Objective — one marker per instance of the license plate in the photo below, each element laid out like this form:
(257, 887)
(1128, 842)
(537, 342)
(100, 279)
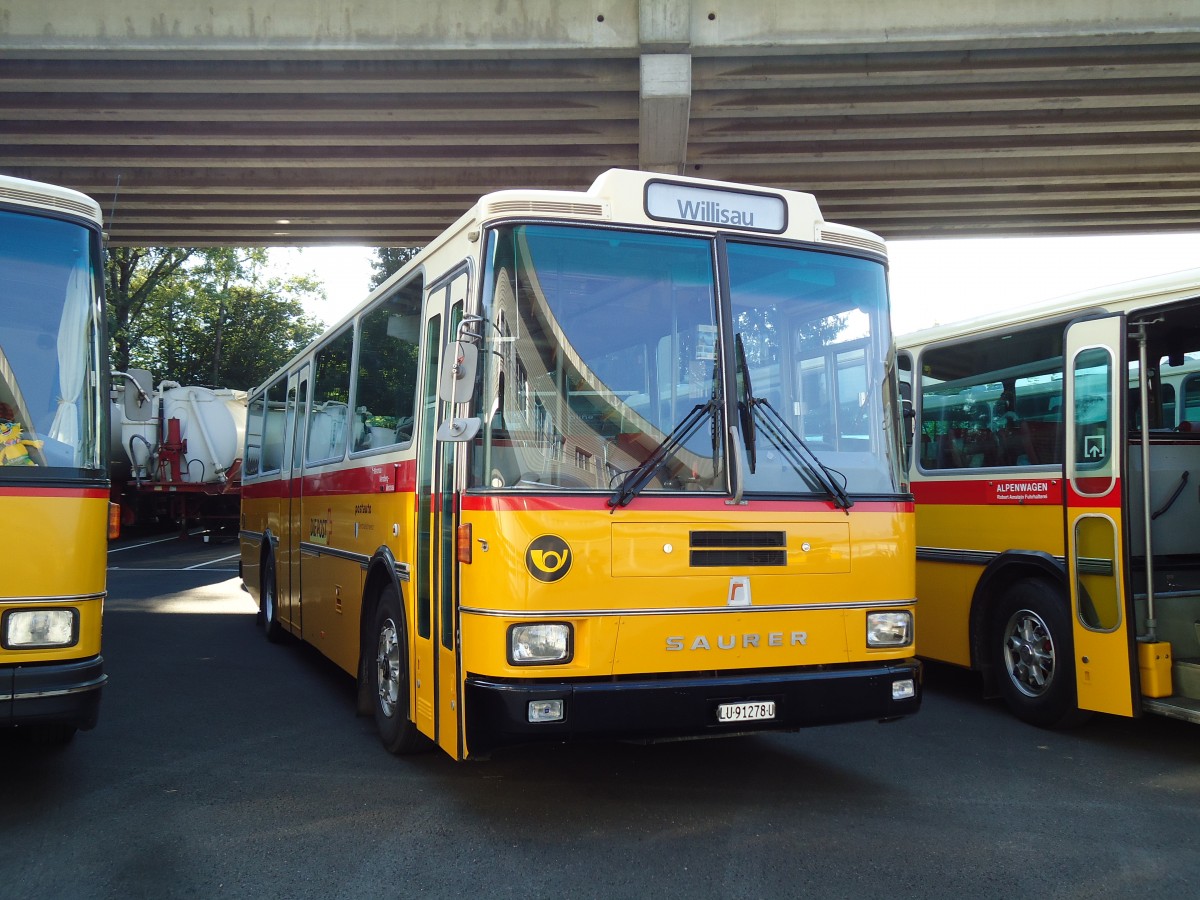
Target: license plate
(748, 711)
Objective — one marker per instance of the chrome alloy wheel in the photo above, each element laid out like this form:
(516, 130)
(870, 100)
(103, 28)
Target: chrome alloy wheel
(1028, 653)
(387, 668)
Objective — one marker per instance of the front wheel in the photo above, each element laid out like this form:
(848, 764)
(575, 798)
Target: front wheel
(1033, 650)
(389, 678)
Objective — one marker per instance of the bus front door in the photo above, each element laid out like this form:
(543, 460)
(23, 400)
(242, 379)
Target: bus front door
(435, 643)
(1101, 602)
(296, 525)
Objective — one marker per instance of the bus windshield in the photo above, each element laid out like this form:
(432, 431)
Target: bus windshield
(602, 364)
(48, 346)
(600, 343)
(814, 330)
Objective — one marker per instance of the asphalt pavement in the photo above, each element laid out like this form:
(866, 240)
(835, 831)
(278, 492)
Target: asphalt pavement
(225, 766)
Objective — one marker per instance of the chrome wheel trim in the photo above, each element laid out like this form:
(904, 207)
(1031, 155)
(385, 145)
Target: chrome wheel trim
(1029, 653)
(387, 668)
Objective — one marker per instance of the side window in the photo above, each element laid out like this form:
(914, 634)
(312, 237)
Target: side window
(329, 414)
(274, 419)
(1093, 407)
(385, 382)
(993, 402)
(254, 422)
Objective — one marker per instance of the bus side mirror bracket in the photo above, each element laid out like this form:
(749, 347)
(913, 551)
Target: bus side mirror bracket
(459, 430)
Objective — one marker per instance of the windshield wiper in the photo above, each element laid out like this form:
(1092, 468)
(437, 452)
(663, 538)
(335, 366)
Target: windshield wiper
(798, 453)
(638, 477)
(745, 401)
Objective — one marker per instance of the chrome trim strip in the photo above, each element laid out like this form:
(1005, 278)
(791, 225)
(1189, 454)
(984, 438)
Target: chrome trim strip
(966, 557)
(1090, 566)
(308, 549)
(251, 535)
(58, 601)
(946, 555)
(93, 685)
(705, 610)
(318, 550)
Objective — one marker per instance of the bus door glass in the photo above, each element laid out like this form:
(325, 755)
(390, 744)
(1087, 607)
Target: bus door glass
(289, 580)
(434, 651)
(1094, 501)
(446, 618)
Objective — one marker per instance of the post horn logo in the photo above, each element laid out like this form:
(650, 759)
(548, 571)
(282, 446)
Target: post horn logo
(548, 558)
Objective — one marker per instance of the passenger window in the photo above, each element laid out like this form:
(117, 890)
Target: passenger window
(274, 419)
(386, 378)
(995, 402)
(254, 421)
(330, 412)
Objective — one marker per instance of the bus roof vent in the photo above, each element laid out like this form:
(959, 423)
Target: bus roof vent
(859, 241)
(545, 208)
(16, 195)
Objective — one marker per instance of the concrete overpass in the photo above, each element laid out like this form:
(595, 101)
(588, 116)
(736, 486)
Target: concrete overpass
(377, 121)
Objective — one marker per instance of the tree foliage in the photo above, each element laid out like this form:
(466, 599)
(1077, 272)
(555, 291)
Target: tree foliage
(204, 316)
(389, 260)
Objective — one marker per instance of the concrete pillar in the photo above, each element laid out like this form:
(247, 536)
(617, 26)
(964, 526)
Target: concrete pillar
(666, 84)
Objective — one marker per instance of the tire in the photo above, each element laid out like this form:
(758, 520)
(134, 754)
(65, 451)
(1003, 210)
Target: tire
(269, 602)
(1033, 651)
(388, 672)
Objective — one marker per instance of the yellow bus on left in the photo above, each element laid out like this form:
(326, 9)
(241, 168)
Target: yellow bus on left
(54, 502)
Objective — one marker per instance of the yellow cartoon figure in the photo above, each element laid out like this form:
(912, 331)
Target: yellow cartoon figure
(13, 448)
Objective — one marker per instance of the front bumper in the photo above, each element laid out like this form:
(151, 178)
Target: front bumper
(66, 693)
(669, 708)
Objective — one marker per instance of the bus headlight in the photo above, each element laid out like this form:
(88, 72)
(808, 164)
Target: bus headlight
(26, 629)
(889, 629)
(537, 645)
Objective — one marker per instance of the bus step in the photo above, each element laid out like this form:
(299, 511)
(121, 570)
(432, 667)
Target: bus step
(1174, 707)
(1186, 676)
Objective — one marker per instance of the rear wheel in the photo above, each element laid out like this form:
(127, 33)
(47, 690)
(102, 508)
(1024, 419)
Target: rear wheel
(1033, 651)
(389, 678)
(269, 602)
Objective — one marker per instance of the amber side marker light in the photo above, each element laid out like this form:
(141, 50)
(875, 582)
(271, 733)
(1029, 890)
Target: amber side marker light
(114, 521)
(464, 543)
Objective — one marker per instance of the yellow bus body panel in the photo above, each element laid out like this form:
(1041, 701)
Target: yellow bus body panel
(630, 588)
(947, 589)
(55, 555)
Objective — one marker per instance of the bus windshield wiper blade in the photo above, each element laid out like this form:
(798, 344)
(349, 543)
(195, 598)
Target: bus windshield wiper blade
(638, 477)
(798, 453)
(745, 401)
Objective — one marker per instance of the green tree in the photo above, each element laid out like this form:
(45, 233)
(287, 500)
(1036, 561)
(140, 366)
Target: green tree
(133, 277)
(389, 260)
(216, 318)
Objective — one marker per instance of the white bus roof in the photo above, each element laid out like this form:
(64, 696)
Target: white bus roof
(37, 195)
(1149, 291)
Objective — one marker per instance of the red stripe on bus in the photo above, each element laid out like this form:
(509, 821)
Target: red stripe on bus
(543, 503)
(57, 492)
(1032, 491)
(383, 478)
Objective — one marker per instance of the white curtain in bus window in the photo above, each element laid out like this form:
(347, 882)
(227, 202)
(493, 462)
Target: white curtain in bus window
(73, 334)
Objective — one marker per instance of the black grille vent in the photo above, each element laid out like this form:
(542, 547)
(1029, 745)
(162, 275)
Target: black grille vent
(723, 549)
(738, 539)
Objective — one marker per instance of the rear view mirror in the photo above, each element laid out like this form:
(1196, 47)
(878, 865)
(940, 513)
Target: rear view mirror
(457, 381)
(138, 388)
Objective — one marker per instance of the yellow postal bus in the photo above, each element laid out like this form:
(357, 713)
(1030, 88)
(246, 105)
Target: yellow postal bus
(53, 458)
(1051, 556)
(614, 464)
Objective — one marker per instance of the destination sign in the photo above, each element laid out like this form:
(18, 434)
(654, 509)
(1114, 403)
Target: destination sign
(675, 202)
